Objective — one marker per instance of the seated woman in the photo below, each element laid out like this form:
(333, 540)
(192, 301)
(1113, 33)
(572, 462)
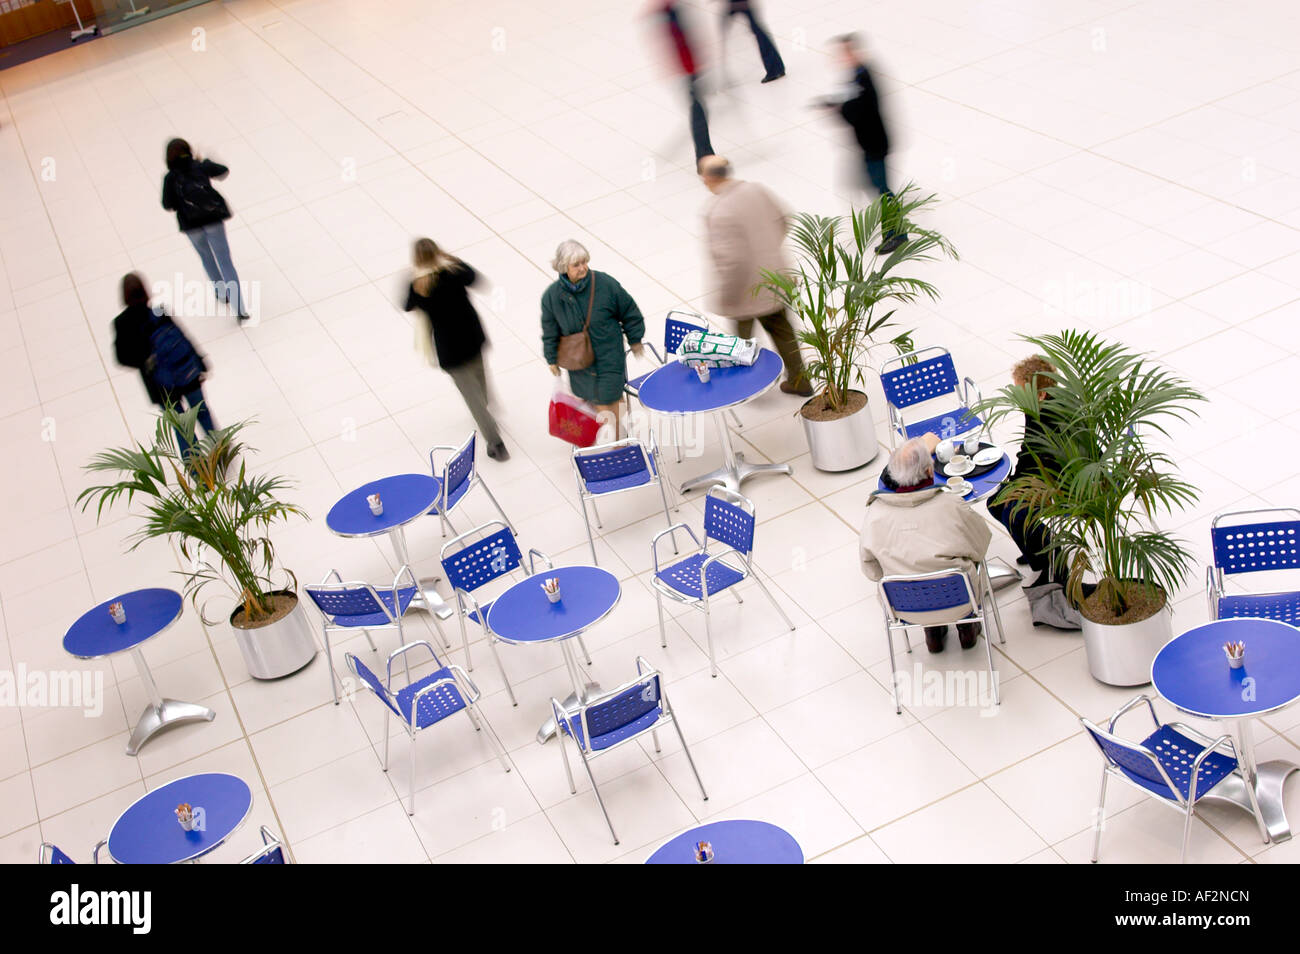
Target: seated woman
(1032, 541)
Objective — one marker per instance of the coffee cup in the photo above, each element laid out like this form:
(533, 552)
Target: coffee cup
(958, 485)
(959, 460)
(944, 451)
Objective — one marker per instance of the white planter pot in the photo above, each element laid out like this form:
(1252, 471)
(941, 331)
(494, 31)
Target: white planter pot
(843, 444)
(1122, 655)
(277, 649)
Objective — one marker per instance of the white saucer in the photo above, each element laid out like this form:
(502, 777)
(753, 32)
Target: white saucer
(961, 489)
(989, 455)
(958, 470)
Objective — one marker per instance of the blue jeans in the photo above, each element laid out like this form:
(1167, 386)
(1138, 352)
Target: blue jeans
(876, 174)
(189, 400)
(214, 251)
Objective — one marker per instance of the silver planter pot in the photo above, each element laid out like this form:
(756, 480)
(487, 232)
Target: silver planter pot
(1122, 655)
(277, 649)
(843, 444)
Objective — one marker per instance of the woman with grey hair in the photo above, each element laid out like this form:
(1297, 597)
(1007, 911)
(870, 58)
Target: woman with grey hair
(581, 298)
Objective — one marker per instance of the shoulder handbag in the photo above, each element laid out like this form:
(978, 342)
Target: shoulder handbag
(574, 352)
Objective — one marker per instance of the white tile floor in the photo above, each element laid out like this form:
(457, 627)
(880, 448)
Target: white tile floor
(1121, 165)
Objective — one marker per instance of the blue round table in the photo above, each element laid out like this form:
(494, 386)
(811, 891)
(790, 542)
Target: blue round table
(677, 389)
(148, 833)
(736, 842)
(1192, 674)
(404, 498)
(148, 613)
(524, 616)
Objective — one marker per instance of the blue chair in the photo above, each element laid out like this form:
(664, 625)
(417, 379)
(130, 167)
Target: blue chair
(357, 605)
(49, 854)
(1175, 764)
(457, 477)
(729, 521)
(612, 718)
(612, 468)
(948, 595)
(1239, 548)
(425, 701)
(473, 560)
(919, 378)
(675, 330)
(271, 853)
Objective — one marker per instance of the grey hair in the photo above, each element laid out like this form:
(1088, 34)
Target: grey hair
(911, 464)
(569, 253)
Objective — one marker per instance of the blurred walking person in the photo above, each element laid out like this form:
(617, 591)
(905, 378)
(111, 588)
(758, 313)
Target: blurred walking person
(686, 59)
(744, 231)
(201, 213)
(450, 333)
(172, 370)
(859, 106)
(773, 65)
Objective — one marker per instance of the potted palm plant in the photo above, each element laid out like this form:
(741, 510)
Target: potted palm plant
(219, 517)
(845, 294)
(1101, 486)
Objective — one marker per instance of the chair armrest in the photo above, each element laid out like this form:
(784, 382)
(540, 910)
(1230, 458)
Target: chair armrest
(704, 567)
(267, 837)
(643, 666)
(532, 564)
(1205, 753)
(465, 596)
(402, 651)
(654, 542)
(410, 575)
(95, 854)
(968, 385)
(462, 674)
(557, 713)
(1213, 590)
(651, 348)
(333, 576)
(1123, 710)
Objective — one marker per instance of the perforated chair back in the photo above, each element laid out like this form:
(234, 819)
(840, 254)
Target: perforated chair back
(927, 594)
(620, 711)
(1252, 547)
(481, 561)
(53, 855)
(911, 384)
(729, 519)
(371, 681)
(460, 467)
(610, 465)
(1132, 758)
(675, 329)
(337, 601)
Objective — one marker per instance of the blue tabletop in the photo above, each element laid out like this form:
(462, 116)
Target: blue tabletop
(738, 842)
(677, 389)
(148, 833)
(1192, 673)
(148, 613)
(523, 614)
(404, 497)
(981, 486)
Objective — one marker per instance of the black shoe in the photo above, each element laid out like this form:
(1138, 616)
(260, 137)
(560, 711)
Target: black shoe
(773, 76)
(967, 633)
(243, 317)
(498, 452)
(935, 636)
(1022, 560)
(890, 244)
(803, 390)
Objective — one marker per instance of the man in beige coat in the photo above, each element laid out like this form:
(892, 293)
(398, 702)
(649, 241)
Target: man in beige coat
(744, 230)
(920, 528)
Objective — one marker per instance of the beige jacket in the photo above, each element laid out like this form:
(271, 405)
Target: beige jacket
(744, 230)
(922, 531)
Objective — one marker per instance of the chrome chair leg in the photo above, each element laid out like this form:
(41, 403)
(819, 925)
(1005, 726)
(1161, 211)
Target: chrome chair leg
(595, 510)
(736, 594)
(583, 646)
(1100, 821)
(492, 497)
(591, 540)
(988, 649)
(411, 809)
(329, 664)
(736, 417)
(371, 641)
(771, 598)
(664, 494)
(659, 605)
(492, 645)
(689, 760)
(496, 739)
(386, 714)
(654, 737)
(997, 613)
(893, 669)
(568, 771)
(708, 635)
(677, 436)
(599, 800)
(1187, 832)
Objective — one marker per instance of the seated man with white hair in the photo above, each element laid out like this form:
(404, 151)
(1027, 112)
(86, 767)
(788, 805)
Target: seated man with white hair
(920, 528)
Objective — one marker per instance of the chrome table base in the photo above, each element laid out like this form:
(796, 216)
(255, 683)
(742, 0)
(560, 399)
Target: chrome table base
(1002, 574)
(426, 597)
(1270, 779)
(582, 692)
(734, 470)
(160, 712)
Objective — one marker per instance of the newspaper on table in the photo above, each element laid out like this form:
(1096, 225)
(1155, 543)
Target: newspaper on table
(714, 349)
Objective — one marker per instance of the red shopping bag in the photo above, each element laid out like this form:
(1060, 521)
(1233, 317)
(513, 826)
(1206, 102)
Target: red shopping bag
(573, 419)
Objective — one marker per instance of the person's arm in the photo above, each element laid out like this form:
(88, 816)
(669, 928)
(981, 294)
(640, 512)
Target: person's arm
(411, 303)
(168, 201)
(629, 316)
(127, 346)
(870, 565)
(464, 274)
(550, 333)
(214, 170)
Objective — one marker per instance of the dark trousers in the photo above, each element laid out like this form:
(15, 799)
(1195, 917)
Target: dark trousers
(186, 401)
(773, 65)
(470, 379)
(699, 120)
(777, 324)
(876, 175)
(1029, 540)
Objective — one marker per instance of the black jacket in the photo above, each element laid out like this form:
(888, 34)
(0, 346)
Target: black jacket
(457, 332)
(195, 178)
(132, 331)
(862, 113)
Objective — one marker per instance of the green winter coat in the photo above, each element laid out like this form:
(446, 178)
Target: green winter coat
(614, 315)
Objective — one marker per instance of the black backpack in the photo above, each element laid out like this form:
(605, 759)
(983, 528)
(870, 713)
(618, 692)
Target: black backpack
(177, 365)
(197, 202)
